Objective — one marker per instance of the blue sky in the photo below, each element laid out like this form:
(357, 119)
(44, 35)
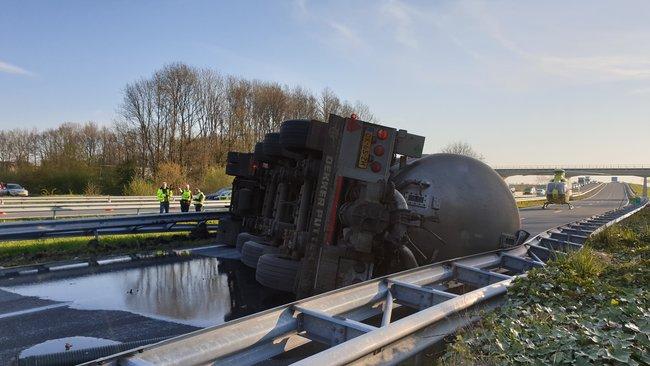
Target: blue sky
(516, 79)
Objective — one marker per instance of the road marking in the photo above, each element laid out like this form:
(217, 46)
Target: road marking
(556, 211)
(33, 310)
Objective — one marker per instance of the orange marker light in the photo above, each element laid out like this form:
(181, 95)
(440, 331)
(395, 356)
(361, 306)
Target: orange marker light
(379, 150)
(382, 134)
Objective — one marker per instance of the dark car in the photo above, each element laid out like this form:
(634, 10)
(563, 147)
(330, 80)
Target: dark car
(222, 194)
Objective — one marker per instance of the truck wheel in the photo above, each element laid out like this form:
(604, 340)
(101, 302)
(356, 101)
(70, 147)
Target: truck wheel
(252, 251)
(294, 133)
(272, 145)
(258, 153)
(277, 272)
(244, 237)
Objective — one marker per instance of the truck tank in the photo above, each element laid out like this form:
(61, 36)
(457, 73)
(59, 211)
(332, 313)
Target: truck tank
(468, 207)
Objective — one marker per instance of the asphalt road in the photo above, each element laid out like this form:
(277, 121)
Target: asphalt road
(535, 219)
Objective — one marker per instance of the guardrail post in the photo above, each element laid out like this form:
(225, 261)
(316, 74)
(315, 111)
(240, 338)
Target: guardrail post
(53, 213)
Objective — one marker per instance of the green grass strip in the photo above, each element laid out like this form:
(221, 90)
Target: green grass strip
(591, 307)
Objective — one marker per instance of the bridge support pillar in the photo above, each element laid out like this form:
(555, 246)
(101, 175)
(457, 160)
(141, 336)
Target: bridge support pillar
(645, 187)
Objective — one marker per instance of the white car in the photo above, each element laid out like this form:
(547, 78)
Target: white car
(13, 189)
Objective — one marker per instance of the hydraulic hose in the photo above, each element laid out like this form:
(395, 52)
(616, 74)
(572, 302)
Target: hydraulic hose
(398, 234)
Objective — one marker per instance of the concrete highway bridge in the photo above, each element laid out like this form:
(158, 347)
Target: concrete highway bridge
(642, 171)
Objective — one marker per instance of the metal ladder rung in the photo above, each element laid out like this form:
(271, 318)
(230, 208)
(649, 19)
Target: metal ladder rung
(544, 254)
(562, 245)
(574, 231)
(477, 277)
(416, 296)
(585, 227)
(518, 264)
(575, 238)
(329, 329)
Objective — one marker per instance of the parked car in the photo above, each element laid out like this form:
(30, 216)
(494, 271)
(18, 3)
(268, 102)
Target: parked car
(530, 190)
(222, 194)
(13, 189)
(541, 192)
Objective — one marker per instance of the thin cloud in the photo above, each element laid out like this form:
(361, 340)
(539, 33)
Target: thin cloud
(640, 91)
(607, 67)
(400, 17)
(13, 69)
(347, 35)
(300, 7)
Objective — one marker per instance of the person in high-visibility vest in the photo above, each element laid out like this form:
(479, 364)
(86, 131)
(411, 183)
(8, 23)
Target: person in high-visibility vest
(198, 200)
(186, 197)
(164, 195)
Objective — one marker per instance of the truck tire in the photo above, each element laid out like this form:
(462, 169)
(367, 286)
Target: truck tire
(244, 237)
(252, 251)
(258, 153)
(277, 272)
(272, 145)
(294, 134)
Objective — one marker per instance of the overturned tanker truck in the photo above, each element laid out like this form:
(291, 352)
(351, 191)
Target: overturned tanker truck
(319, 206)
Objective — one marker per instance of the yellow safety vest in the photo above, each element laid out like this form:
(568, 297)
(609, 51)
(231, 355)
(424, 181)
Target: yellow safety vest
(186, 195)
(199, 198)
(164, 195)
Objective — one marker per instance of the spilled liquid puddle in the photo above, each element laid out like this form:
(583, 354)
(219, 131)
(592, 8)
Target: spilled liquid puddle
(190, 292)
(65, 344)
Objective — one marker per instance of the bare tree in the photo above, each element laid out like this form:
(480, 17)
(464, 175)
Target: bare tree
(179, 115)
(462, 148)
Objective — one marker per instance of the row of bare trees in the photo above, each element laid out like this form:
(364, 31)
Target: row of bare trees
(180, 115)
(195, 116)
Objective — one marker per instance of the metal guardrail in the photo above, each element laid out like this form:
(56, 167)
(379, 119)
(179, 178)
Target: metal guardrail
(441, 294)
(40, 210)
(573, 166)
(72, 198)
(108, 225)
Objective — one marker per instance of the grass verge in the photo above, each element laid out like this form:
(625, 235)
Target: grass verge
(531, 203)
(637, 189)
(13, 253)
(589, 307)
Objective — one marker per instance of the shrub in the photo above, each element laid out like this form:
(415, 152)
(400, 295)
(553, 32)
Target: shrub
(214, 178)
(140, 187)
(171, 173)
(92, 189)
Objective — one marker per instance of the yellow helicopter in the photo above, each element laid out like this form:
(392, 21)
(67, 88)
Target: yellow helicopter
(558, 190)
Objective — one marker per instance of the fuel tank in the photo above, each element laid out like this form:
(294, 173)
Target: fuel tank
(468, 208)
